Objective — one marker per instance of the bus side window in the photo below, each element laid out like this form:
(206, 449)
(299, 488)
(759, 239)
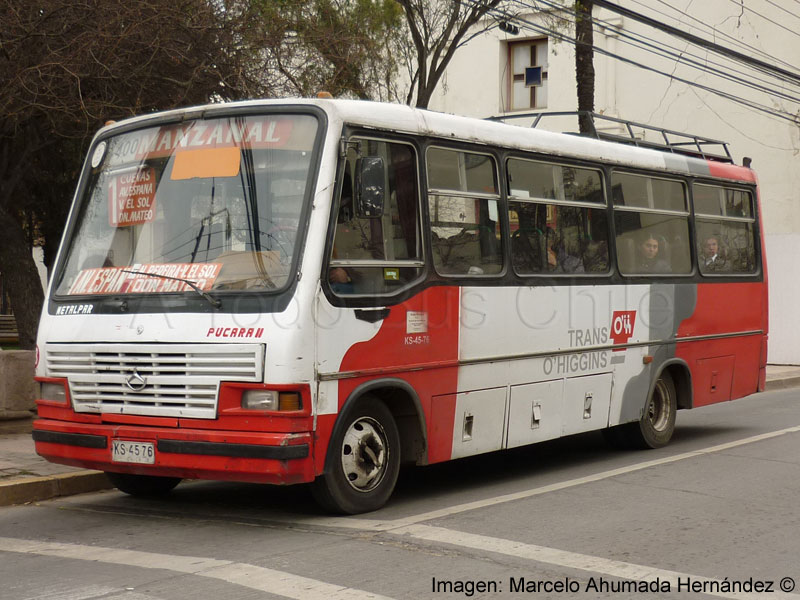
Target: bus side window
(549, 236)
(725, 230)
(464, 211)
(378, 255)
(651, 217)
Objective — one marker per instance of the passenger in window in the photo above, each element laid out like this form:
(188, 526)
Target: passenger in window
(340, 280)
(595, 257)
(648, 259)
(712, 258)
(558, 259)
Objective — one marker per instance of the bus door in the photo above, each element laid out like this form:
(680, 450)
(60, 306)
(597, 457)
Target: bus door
(377, 325)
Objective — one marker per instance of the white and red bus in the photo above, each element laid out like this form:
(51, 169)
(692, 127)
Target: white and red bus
(320, 290)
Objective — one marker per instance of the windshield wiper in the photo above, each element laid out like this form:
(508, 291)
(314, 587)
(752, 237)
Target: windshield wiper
(211, 300)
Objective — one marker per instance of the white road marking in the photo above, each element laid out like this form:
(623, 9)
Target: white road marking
(251, 576)
(378, 525)
(573, 560)
(410, 527)
(554, 487)
(58, 592)
(293, 586)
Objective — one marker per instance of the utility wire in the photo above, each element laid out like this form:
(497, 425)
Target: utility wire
(793, 76)
(737, 42)
(660, 48)
(657, 48)
(504, 15)
(778, 6)
(714, 31)
(755, 12)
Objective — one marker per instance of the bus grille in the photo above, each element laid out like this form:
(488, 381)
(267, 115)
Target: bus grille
(176, 380)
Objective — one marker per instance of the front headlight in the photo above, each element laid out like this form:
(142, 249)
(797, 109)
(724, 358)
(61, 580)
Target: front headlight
(271, 400)
(53, 392)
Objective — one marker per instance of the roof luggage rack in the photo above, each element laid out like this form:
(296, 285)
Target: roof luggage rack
(670, 141)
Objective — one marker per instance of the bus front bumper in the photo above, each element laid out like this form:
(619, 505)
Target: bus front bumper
(277, 458)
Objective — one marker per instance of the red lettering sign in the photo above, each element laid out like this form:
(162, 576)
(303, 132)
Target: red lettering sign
(235, 332)
(139, 279)
(254, 132)
(132, 198)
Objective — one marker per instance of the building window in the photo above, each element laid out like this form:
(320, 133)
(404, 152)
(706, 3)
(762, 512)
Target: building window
(527, 75)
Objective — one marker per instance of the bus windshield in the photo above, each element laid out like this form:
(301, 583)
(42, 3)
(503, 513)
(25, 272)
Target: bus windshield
(216, 202)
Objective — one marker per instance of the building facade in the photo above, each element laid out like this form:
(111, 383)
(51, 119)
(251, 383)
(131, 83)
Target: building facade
(500, 74)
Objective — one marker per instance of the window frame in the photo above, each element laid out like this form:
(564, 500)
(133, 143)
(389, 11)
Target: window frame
(511, 75)
(602, 206)
(373, 298)
(438, 144)
(686, 184)
(508, 277)
(753, 220)
(244, 302)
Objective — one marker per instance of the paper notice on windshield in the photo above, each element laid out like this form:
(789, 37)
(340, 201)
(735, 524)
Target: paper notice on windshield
(120, 280)
(132, 198)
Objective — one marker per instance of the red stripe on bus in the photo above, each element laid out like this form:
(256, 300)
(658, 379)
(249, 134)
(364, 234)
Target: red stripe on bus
(395, 345)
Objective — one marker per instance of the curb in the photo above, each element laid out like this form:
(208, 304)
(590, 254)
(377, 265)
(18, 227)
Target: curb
(782, 383)
(32, 489)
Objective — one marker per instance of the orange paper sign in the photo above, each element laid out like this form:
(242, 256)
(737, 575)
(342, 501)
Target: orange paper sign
(206, 162)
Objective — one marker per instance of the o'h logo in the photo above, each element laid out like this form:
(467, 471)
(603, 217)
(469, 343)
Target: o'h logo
(622, 324)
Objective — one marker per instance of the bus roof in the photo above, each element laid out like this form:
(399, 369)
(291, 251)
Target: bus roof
(405, 119)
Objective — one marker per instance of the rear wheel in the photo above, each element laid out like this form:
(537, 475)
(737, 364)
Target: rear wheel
(142, 485)
(655, 428)
(363, 460)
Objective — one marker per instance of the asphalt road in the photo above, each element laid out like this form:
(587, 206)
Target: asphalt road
(715, 514)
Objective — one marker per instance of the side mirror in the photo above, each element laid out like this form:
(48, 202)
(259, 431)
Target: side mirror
(370, 187)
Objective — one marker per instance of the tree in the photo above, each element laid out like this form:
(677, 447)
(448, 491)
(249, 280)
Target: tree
(67, 67)
(584, 64)
(438, 28)
(339, 46)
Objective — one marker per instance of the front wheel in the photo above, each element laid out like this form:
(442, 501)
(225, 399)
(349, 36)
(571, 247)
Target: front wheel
(142, 485)
(363, 460)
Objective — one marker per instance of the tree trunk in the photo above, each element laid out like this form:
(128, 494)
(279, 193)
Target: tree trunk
(20, 279)
(584, 64)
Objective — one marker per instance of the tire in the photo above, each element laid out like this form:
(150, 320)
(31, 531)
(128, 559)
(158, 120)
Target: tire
(363, 460)
(655, 428)
(146, 486)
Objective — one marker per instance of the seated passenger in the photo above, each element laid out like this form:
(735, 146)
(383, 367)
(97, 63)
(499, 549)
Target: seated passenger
(340, 280)
(559, 260)
(648, 259)
(711, 259)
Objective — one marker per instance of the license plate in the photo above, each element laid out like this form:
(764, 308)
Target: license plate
(133, 452)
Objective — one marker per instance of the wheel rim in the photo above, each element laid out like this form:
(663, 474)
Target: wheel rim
(364, 454)
(658, 407)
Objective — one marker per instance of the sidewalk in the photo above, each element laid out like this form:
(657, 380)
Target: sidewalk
(27, 477)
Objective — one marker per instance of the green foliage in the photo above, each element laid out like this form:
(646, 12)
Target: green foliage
(339, 46)
(69, 65)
